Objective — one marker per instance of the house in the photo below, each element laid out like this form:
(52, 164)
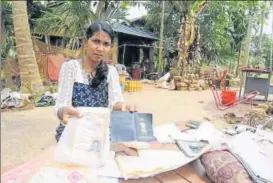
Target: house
(134, 45)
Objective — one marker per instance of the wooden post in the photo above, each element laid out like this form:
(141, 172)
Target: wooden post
(151, 58)
(124, 47)
(141, 55)
(47, 40)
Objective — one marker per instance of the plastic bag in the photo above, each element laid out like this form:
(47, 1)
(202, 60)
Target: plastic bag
(85, 141)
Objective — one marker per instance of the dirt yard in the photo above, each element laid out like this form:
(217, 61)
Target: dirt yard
(26, 134)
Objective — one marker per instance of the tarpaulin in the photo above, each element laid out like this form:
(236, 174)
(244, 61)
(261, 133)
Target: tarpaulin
(54, 65)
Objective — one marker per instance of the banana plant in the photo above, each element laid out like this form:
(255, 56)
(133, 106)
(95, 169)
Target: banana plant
(187, 31)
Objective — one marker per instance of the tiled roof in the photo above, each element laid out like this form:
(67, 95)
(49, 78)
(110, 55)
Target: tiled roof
(121, 28)
(117, 27)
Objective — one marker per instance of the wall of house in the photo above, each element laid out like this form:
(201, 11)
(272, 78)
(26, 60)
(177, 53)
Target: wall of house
(132, 53)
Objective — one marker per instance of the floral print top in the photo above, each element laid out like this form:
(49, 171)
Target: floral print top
(71, 73)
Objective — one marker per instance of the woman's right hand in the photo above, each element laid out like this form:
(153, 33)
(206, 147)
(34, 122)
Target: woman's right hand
(67, 112)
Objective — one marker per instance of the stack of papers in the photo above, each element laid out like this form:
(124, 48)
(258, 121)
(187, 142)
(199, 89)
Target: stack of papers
(148, 164)
(153, 162)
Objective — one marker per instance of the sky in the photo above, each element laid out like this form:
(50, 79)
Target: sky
(267, 28)
(135, 12)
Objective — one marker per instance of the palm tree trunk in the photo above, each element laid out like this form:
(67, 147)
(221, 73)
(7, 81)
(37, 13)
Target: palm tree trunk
(29, 72)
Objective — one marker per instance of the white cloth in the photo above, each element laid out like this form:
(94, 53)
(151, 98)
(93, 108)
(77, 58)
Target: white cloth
(72, 71)
(253, 156)
(165, 133)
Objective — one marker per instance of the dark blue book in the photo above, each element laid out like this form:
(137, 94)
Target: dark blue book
(127, 126)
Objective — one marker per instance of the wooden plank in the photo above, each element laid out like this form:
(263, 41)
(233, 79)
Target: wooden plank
(146, 180)
(190, 174)
(170, 177)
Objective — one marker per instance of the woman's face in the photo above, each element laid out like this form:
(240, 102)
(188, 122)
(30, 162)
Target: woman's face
(98, 46)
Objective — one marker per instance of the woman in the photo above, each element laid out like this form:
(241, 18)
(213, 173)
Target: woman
(90, 82)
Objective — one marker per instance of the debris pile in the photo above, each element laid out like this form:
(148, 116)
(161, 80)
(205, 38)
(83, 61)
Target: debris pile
(194, 78)
(10, 99)
(15, 100)
(261, 118)
(208, 74)
(190, 83)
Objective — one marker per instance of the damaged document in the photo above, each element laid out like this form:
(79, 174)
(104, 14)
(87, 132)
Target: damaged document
(152, 162)
(85, 140)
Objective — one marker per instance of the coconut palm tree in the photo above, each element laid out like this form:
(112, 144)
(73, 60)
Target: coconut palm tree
(29, 72)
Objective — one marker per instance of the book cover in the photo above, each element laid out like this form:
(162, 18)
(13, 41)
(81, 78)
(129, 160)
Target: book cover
(127, 126)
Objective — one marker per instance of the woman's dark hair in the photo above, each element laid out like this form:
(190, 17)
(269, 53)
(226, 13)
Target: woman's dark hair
(102, 68)
(98, 26)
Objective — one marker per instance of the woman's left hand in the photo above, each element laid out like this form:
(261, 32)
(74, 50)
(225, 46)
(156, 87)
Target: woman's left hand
(128, 107)
(123, 106)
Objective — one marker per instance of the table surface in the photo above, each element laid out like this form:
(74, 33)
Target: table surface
(246, 69)
(185, 174)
